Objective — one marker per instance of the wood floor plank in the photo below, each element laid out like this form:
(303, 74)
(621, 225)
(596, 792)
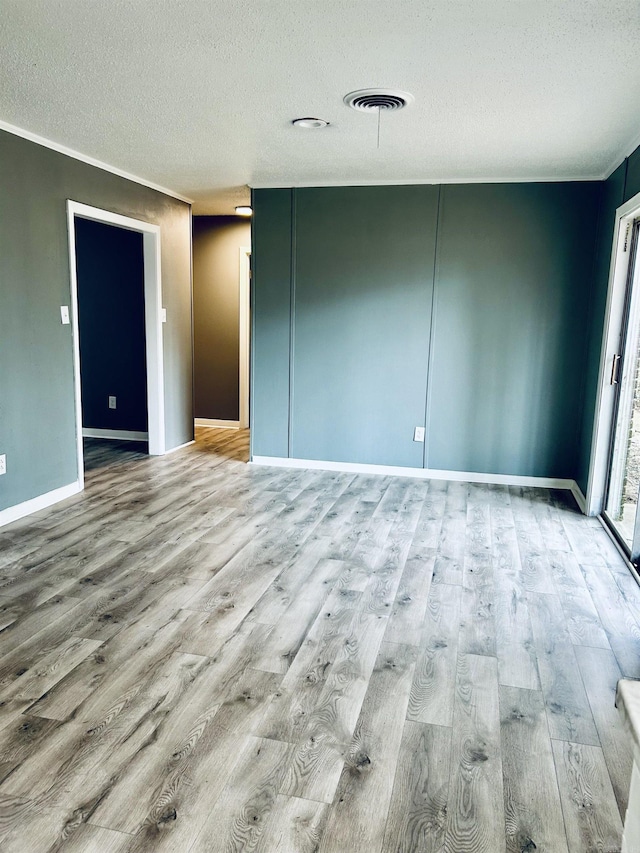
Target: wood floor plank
(568, 711)
(294, 826)
(81, 759)
(358, 815)
(95, 839)
(195, 749)
(406, 620)
(591, 814)
(33, 827)
(293, 626)
(533, 812)
(26, 690)
(433, 688)
(475, 818)
(239, 816)
(600, 674)
(620, 623)
(418, 812)
(316, 762)
(301, 689)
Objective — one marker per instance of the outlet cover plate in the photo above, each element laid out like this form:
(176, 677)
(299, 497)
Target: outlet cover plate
(3, 463)
(112, 402)
(418, 434)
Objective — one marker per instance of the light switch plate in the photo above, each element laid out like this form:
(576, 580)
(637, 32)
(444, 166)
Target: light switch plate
(3, 463)
(112, 402)
(64, 315)
(164, 315)
(418, 434)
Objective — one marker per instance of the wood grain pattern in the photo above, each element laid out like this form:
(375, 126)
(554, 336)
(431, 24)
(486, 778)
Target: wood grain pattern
(591, 814)
(533, 813)
(600, 675)
(197, 654)
(475, 817)
(359, 812)
(418, 812)
(433, 689)
(568, 711)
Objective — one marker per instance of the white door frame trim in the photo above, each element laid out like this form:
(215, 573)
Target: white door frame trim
(603, 423)
(245, 323)
(153, 320)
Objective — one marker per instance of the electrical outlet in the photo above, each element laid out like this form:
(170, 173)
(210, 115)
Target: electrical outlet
(3, 463)
(418, 434)
(112, 402)
(64, 315)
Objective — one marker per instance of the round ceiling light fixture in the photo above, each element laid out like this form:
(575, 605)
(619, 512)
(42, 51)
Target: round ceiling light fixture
(309, 123)
(372, 100)
(243, 210)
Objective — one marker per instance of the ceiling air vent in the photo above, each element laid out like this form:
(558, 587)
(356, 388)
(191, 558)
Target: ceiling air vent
(371, 100)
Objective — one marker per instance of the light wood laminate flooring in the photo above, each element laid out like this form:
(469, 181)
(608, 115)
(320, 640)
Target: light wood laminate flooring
(201, 655)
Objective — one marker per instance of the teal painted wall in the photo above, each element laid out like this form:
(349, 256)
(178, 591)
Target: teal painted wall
(504, 369)
(512, 288)
(362, 313)
(37, 425)
(270, 321)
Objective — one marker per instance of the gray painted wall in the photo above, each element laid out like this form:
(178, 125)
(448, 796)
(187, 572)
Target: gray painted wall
(216, 311)
(110, 275)
(503, 370)
(37, 425)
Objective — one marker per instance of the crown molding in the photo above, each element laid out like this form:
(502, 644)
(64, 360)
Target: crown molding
(91, 161)
(274, 185)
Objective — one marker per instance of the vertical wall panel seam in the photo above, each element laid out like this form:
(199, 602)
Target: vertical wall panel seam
(432, 319)
(292, 318)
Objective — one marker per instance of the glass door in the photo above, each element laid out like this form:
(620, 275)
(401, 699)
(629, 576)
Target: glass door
(623, 484)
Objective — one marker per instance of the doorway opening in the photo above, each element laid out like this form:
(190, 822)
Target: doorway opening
(117, 328)
(614, 484)
(221, 314)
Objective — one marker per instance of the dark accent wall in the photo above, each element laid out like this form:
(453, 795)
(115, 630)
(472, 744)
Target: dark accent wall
(514, 267)
(345, 353)
(216, 267)
(110, 273)
(361, 318)
(271, 321)
(37, 420)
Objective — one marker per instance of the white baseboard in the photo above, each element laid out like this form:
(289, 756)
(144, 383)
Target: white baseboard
(13, 513)
(116, 434)
(418, 473)
(576, 491)
(214, 423)
(179, 447)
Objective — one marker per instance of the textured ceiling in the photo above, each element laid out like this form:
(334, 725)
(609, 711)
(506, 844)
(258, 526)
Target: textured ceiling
(198, 96)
